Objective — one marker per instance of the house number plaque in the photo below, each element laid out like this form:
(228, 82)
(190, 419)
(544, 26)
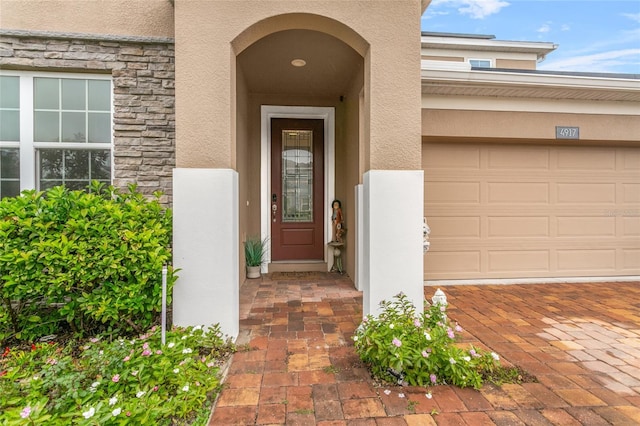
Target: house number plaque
(564, 132)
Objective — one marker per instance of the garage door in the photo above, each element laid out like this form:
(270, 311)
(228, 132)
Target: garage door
(521, 211)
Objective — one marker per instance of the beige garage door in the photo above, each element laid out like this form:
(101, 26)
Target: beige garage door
(516, 211)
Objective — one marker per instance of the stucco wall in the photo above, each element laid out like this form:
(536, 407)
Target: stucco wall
(118, 17)
(528, 125)
(205, 32)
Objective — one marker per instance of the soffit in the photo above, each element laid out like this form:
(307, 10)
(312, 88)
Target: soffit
(330, 64)
(516, 85)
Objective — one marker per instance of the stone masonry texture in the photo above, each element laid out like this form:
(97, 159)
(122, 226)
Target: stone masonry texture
(143, 76)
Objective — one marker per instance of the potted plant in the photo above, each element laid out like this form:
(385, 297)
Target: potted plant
(254, 253)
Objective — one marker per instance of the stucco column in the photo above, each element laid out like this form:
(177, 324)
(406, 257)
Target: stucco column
(205, 248)
(392, 234)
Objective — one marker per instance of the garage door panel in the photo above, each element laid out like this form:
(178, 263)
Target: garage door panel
(568, 211)
(586, 159)
(587, 227)
(631, 261)
(518, 260)
(631, 192)
(523, 159)
(461, 261)
(631, 225)
(587, 193)
(518, 192)
(518, 227)
(596, 261)
(630, 160)
(451, 157)
(455, 227)
(453, 192)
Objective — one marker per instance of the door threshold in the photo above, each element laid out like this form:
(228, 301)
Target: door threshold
(298, 266)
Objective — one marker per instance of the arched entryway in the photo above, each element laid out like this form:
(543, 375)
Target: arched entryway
(288, 82)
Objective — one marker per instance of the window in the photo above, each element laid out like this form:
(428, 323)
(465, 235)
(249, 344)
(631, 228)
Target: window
(9, 136)
(54, 129)
(480, 63)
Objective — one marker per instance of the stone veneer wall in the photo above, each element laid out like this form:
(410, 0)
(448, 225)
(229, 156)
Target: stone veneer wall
(143, 72)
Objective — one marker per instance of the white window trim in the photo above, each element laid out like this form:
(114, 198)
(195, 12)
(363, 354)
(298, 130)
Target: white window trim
(28, 166)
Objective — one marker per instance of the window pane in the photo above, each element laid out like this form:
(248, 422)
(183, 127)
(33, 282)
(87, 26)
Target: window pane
(76, 184)
(99, 95)
(9, 92)
(9, 163)
(50, 164)
(297, 176)
(99, 127)
(76, 165)
(74, 94)
(9, 125)
(46, 93)
(9, 188)
(73, 127)
(74, 168)
(101, 165)
(45, 126)
(44, 185)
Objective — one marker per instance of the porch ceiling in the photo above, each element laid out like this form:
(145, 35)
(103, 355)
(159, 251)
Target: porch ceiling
(330, 64)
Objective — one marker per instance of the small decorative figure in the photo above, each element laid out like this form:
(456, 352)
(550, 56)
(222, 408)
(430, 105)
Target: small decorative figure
(336, 221)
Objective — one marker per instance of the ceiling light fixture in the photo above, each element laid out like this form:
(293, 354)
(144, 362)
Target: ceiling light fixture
(298, 63)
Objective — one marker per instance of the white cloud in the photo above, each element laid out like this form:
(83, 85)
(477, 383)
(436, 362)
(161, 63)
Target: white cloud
(565, 27)
(632, 16)
(476, 9)
(597, 62)
(545, 28)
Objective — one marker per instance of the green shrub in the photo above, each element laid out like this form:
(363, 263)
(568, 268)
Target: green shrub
(402, 346)
(101, 382)
(88, 262)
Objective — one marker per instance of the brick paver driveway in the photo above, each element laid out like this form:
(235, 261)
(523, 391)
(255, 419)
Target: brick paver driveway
(581, 341)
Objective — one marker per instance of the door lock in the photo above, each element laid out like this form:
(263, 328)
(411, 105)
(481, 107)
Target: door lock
(274, 206)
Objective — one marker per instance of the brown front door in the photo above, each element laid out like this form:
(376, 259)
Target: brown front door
(297, 189)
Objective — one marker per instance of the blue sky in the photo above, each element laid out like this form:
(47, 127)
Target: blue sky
(592, 35)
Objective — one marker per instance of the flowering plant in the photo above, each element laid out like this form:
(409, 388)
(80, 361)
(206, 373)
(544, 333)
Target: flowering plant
(137, 381)
(402, 346)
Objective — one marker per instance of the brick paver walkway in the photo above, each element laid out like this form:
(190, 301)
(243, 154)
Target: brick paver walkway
(582, 342)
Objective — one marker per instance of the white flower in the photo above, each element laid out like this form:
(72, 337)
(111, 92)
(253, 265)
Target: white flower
(355, 338)
(88, 414)
(197, 327)
(452, 361)
(495, 356)
(387, 392)
(116, 411)
(185, 388)
(427, 335)
(176, 370)
(113, 400)
(183, 337)
(140, 394)
(35, 378)
(391, 326)
(428, 395)
(171, 344)
(101, 352)
(400, 395)
(134, 373)
(187, 351)
(467, 358)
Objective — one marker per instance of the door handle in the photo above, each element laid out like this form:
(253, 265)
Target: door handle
(274, 206)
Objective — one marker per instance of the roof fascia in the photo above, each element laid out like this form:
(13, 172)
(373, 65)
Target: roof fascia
(515, 81)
